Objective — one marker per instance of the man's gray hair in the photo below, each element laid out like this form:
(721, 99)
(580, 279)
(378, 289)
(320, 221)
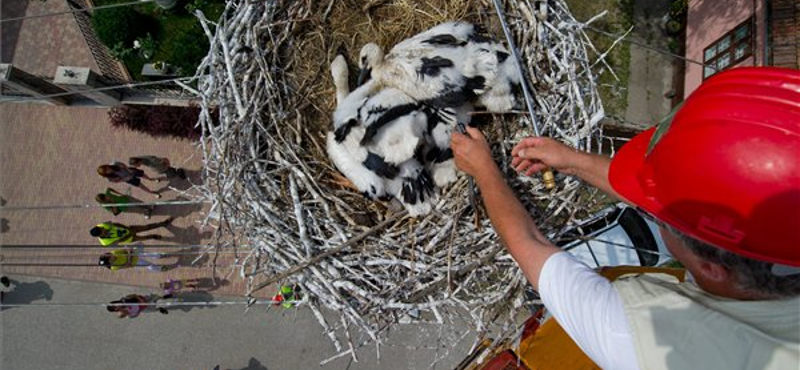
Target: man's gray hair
(750, 274)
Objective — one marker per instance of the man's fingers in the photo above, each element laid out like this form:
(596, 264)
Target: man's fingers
(534, 168)
(527, 142)
(528, 153)
(474, 132)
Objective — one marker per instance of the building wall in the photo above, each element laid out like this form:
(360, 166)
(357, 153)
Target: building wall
(707, 21)
(785, 33)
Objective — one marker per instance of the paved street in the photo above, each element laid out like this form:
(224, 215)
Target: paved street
(651, 72)
(90, 338)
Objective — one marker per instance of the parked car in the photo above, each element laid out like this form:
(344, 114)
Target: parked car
(617, 235)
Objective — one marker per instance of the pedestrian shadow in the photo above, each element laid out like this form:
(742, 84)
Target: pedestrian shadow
(177, 210)
(187, 257)
(25, 293)
(210, 285)
(4, 225)
(253, 364)
(178, 184)
(187, 235)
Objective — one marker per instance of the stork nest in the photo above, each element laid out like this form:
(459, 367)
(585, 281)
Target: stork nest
(273, 188)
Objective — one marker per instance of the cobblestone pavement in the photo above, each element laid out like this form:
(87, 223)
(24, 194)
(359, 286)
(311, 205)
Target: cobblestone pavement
(49, 156)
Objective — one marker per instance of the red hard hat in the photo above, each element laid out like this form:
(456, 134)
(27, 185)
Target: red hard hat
(726, 169)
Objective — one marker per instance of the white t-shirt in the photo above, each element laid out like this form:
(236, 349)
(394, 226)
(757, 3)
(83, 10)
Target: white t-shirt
(589, 309)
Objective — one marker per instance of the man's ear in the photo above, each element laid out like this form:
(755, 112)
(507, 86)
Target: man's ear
(713, 271)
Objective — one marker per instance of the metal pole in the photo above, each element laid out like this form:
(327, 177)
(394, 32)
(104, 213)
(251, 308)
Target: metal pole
(547, 174)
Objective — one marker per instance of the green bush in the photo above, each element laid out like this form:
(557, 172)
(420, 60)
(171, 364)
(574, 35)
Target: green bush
(157, 120)
(121, 25)
(186, 49)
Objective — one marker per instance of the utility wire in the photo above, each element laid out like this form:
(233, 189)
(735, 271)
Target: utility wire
(108, 205)
(87, 246)
(645, 46)
(88, 254)
(40, 264)
(105, 88)
(158, 304)
(75, 10)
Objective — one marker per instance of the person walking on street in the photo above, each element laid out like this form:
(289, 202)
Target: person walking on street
(111, 198)
(159, 165)
(130, 257)
(722, 181)
(119, 172)
(132, 305)
(173, 286)
(110, 233)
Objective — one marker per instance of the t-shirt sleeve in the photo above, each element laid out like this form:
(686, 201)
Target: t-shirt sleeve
(589, 309)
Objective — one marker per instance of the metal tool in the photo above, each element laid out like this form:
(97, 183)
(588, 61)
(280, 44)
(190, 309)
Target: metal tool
(547, 175)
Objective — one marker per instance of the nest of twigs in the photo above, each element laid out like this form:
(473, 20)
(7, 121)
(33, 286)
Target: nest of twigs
(273, 188)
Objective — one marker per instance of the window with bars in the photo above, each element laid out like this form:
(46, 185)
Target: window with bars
(730, 49)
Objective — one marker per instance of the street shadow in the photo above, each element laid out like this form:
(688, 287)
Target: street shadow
(253, 364)
(10, 30)
(25, 293)
(187, 298)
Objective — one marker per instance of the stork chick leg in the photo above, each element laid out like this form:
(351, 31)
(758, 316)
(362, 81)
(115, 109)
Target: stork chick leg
(340, 75)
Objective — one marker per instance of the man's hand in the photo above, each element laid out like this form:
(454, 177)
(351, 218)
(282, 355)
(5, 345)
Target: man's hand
(534, 154)
(472, 153)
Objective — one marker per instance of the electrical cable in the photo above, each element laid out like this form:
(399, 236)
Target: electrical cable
(90, 246)
(158, 304)
(104, 88)
(75, 11)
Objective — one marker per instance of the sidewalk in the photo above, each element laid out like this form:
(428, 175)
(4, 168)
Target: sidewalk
(651, 72)
(87, 337)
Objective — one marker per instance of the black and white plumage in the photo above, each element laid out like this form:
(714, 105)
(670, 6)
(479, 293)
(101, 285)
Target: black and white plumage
(379, 142)
(452, 63)
(391, 135)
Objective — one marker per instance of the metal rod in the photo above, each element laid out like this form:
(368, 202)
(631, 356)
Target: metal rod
(523, 81)
(547, 174)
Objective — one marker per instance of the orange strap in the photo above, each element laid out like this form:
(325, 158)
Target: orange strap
(549, 346)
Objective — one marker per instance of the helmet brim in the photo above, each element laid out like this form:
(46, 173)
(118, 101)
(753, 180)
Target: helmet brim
(625, 168)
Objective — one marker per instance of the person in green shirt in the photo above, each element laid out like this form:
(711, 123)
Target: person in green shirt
(111, 198)
(110, 233)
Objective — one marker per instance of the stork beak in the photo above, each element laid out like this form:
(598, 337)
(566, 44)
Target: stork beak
(363, 76)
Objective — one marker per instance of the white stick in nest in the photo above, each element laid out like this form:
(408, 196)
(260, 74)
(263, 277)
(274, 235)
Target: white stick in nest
(260, 166)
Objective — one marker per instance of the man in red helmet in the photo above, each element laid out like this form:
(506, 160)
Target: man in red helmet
(722, 179)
